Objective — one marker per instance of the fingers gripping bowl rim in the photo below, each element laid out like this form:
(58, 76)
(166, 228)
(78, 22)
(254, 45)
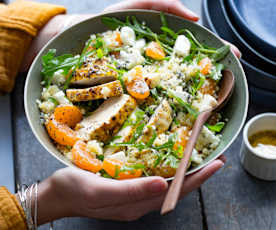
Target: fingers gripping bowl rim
(72, 39)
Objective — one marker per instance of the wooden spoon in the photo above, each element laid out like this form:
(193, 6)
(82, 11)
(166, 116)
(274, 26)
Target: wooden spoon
(226, 88)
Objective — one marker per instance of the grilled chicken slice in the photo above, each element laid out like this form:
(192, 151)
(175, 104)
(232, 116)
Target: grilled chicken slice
(124, 135)
(106, 90)
(107, 120)
(93, 73)
(160, 121)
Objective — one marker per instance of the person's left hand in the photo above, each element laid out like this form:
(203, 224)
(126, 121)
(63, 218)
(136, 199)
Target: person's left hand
(60, 22)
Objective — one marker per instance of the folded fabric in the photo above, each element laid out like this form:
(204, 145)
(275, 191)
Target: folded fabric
(12, 216)
(20, 22)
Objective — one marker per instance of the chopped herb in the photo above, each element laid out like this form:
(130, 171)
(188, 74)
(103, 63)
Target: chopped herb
(105, 175)
(217, 127)
(145, 172)
(154, 94)
(139, 114)
(149, 110)
(137, 133)
(100, 157)
(197, 83)
(99, 42)
(184, 104)
(169, 144)
(100, 53)
(117, 171)
(53, 100)
(132, 167)
(152, 139)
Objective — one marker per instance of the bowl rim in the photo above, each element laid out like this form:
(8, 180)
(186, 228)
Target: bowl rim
(242, 24)
(245, 134)
(28, 79)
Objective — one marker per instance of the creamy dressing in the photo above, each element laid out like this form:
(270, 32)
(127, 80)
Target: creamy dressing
(268, 150)
(264, 142)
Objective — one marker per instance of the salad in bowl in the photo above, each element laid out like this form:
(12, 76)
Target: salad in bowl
(125, 106)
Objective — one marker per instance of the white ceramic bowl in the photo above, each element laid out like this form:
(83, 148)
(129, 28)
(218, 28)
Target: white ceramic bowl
(262, 166)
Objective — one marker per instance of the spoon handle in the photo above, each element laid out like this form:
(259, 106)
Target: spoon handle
(175, 188)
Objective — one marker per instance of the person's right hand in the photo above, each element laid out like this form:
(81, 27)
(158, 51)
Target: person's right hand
(75, 192)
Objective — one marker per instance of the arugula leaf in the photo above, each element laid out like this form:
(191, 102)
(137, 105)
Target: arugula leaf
(112, 23)
(163, 19)
(217, 127)
(169, 144)
(51, 63)
(152, 139)
(141, 30)
(190, 57)
(100, 157)
(158, 160)
(137, 133)
(192, 37)
(169, 31)
(197, 82)
(221, 53)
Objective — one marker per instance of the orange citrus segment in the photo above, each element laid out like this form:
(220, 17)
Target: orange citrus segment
(68, 114)
(118, 38)
(113, 166)
(83, 159)
(155, 51)
(182, 139)
(206, 65)
(138, 88)
(61, 133)
(209, 87)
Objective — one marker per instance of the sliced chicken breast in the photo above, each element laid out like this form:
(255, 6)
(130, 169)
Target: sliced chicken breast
(107, 120)
(125, 134)
(93, 73)
(104, 91)
(160, 121)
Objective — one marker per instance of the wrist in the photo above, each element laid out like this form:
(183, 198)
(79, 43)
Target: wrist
(50, 204)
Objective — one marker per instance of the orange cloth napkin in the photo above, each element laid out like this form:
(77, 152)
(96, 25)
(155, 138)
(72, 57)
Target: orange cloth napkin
(12, 216)
(20, 21)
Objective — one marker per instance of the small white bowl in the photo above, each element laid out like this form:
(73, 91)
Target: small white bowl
(259, 165)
